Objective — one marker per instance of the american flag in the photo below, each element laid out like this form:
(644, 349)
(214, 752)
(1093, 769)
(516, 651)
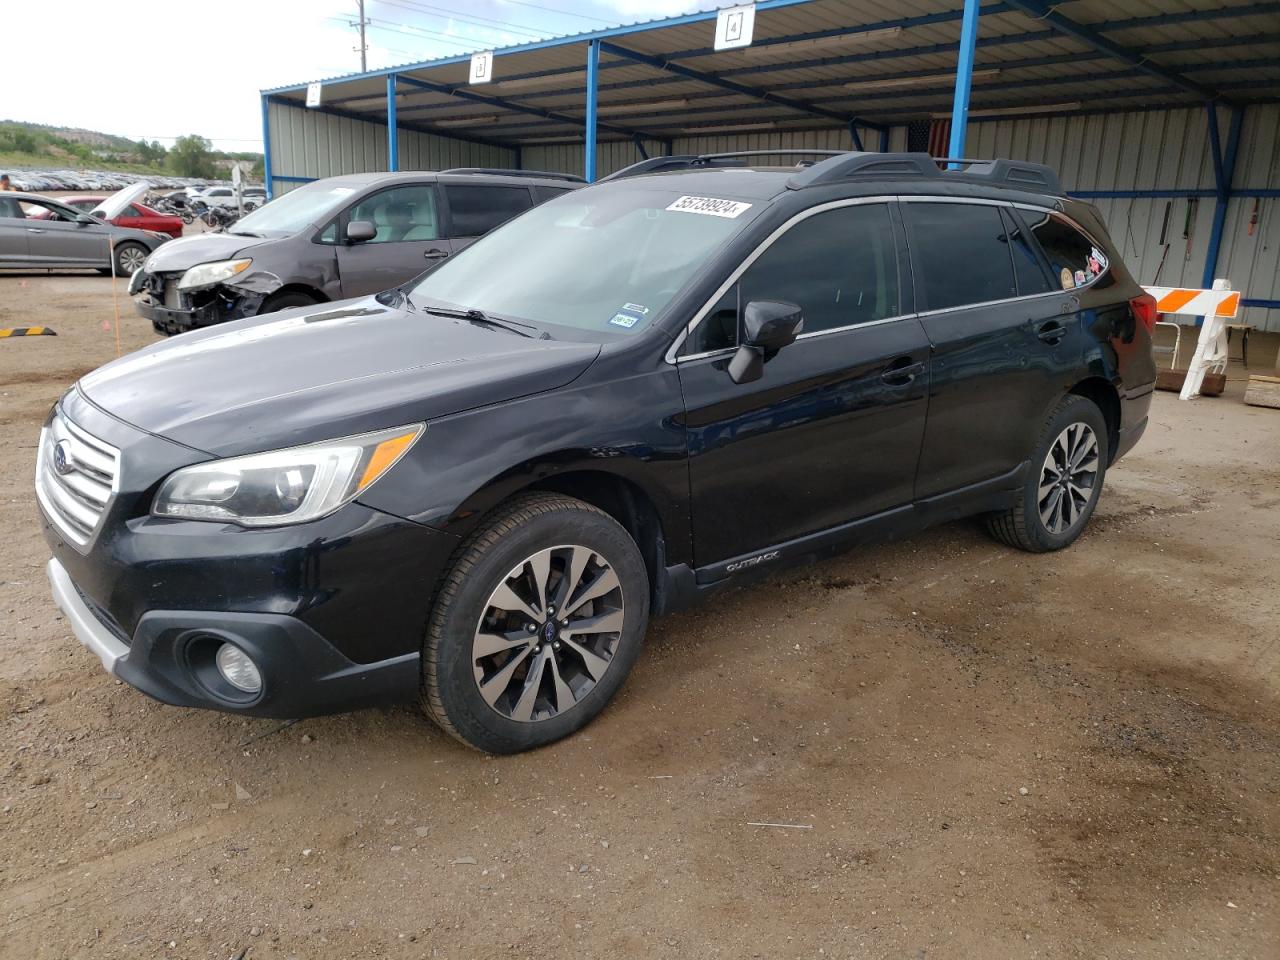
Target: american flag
(929, 136)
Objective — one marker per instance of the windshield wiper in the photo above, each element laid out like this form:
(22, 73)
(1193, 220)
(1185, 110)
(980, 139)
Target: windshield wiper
(480, 317)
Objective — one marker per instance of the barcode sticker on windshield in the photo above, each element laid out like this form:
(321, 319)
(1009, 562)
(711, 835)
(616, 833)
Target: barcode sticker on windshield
(710, 206)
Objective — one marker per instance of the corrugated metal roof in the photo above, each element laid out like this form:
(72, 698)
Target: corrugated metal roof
(815, 62)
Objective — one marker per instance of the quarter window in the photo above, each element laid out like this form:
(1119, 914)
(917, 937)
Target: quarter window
(960, 254)
(1073, 258)
(475, 210)
(839, 266)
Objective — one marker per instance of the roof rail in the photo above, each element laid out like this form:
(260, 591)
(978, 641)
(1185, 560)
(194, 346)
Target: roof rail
(1035, 177)
(500, 172)
(692, 161)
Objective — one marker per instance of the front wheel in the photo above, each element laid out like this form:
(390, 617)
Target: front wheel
(536, 625)
(1061, 489)
(129, 258)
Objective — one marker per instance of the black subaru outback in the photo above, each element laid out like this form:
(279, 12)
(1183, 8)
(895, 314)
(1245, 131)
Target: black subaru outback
(477, 489)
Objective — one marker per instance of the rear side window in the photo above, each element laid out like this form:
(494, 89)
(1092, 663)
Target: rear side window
(1073, 258)
(475, 210)
(839, 266)
(1026, 262)
(959, 253)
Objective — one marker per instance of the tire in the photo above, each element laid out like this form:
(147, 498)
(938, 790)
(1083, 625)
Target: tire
(1051, 512)
(484, 698)
(283, 301)
(129, 256)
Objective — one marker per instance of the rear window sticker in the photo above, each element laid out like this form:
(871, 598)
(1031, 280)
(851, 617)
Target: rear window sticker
(1067, 280)
(1081, 279)
(624, 320)
(710, 207)
(636, 308)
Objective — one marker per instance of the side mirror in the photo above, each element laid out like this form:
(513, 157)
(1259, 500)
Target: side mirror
(768, 326)
(361, 231)
(85, 219)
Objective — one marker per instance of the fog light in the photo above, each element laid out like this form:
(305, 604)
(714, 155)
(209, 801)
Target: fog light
(237, 669)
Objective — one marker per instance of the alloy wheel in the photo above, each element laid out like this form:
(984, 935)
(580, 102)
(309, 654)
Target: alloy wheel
(1067, 478)
(548, 633)
(131, 259)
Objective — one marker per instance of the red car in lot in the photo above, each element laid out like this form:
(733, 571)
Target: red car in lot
(135, 215)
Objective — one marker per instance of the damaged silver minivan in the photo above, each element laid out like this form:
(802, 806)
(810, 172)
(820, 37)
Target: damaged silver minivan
(331, 239)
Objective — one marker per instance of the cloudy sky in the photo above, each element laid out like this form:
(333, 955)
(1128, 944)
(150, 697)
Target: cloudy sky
(157, 69)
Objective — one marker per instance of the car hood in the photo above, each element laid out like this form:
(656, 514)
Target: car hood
(114, 205)
(184, 253)
(315, 373)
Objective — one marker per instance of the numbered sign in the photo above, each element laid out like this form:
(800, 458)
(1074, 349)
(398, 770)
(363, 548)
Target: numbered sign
(313, 94)
(482, 67)
(734, 27)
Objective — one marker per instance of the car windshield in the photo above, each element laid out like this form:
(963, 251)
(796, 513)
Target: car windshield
(604, 260)
(286, 215)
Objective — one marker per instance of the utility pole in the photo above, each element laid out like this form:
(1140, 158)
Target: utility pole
(364, 47)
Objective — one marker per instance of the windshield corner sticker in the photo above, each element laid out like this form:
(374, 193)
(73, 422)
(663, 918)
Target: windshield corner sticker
(710, 207)
(629, 314)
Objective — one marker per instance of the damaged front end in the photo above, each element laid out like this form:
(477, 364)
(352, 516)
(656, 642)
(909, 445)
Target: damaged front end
(178, 301)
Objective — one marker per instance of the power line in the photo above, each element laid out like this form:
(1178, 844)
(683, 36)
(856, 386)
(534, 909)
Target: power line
(442, 12)
(563, 13)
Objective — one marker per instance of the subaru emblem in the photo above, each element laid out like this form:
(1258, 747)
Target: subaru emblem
(62, 457)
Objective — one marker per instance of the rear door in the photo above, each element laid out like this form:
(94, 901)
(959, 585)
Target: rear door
(1000, 342)
(476, 208)
(408, 240)
(831, 432)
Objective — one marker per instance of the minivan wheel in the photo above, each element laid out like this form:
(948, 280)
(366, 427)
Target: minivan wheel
(1061, 488)
(129, 257)
(535, 626)
(283, 301)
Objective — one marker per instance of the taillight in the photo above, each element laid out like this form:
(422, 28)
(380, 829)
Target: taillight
(1144, 308)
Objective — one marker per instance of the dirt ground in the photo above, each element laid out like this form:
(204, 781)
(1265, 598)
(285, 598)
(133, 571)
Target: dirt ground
(979, 753)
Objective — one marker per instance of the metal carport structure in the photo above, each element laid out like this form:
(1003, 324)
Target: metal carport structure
(1165, 114)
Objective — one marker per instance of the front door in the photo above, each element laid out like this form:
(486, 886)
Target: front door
(831, 432)
(13, 232)
(407, 242)
(61, 241)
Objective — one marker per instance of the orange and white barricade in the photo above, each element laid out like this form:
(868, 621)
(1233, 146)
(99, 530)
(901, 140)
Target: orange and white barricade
(1217, 306)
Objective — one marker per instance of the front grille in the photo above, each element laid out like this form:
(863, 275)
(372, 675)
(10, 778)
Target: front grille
(75, 479)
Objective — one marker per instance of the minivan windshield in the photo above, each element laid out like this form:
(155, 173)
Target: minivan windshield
(604, 260)
(286, 215)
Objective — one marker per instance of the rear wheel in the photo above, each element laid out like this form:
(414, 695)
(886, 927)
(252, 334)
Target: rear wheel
(129, 257)
(1061, 489)
(535, 626)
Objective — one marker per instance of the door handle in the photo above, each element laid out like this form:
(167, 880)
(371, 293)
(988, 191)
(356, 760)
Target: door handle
(902, 371)
(1051, 332)
(34, 230)
(435, 253)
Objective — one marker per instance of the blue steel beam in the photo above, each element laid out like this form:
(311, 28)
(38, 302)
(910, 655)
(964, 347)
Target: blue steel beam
(510, 105)
(716, 81)
(593, 79)
(393, 130)
(1225, 168)
(964, 80)
(266, 145)
(1040, 11)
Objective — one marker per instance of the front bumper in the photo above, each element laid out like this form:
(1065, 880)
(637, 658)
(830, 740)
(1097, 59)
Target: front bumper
(170, 659)
(179, 312)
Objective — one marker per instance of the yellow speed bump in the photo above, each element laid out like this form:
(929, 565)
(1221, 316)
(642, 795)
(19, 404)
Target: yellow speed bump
(26, 332)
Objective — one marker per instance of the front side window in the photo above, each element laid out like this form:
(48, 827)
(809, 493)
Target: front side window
(840, 267)
(603, 262)
(475, 210)
(1073, 258)
(401, 214)
(960, 254)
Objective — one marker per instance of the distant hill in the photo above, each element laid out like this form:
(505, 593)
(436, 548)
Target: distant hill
(36, 145)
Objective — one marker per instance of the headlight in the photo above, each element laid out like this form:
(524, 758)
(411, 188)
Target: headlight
(283, 486)
(207, 274)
